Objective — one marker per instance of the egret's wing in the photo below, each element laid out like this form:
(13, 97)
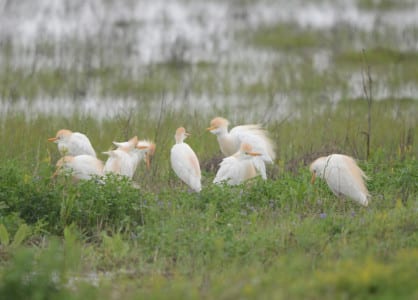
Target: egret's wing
(120, 162)
(260, 166)
(227, 170)
(344, 177)
(121, 144)
(249, 127)
(80, 144)
(127, 145)
(258, 138)
(113, 163)
(85, 166)
(186, 165)
(128, 164)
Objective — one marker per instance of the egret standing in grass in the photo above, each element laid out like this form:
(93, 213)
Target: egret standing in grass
(81, 166)
(184, 161)
(343, 176)
(252, 134)
(241, 166)
(73, 143)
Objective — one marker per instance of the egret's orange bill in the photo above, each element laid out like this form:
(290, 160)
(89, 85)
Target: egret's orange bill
(254, 153)
(211, 128)
(53, 139)
(148, 161)
(313, 178)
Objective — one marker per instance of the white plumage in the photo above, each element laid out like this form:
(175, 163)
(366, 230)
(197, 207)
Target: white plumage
(120, 162)
(73, 143)
(140, 150)
(81, 166)
(184, 161)
(253, 134)
(128, 144)
(241, 166)
(343, 176)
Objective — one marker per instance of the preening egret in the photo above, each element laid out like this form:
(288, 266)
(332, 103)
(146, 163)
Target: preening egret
(143, 149)
(342, 175)
(184, 161)
(81, 166)
(120, 162)
(73, 143)
(252, 134)
(241, 166)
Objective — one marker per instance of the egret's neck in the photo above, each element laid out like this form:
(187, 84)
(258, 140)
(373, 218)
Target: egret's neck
(227, 144)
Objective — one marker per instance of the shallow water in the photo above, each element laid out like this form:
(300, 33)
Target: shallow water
(136, 34)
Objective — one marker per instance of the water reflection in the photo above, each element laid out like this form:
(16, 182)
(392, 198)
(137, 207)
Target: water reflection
(98, 33)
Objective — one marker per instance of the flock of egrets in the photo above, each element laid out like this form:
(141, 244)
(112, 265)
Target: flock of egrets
(247, 149)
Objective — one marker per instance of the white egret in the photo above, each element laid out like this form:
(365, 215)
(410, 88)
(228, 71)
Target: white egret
(252, 134)
(144, 149)
(73, 143)
(125, 159)
(184, 161)
(120, 162)
(343, 176)
(81, 166)
(241, 166)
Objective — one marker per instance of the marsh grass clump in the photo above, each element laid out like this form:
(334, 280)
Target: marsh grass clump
(288, 37)
(98, 204)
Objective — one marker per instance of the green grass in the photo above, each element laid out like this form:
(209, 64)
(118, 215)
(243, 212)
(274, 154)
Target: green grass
(282, 238)
(384, 5)
(289, 37)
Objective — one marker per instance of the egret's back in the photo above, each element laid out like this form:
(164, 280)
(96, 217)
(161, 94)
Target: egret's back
(234, 171)
(344, 177)
(120, 162)
(79, 144)
(82, 166)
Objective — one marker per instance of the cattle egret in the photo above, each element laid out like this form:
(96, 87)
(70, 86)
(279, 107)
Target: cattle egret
(143, 149)
(72, 143)
(81, 166)
(184, 161)
(241, 166)
(120, 162)
(342, 175)
(253, 134)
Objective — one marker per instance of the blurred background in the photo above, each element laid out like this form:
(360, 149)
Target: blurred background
(304, 69)
(265, 58)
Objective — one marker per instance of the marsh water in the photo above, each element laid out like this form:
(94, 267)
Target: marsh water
(267, 58)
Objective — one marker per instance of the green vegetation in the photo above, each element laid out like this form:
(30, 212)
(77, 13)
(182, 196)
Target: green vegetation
(282, 238)
(290, 37)
(384, 5)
